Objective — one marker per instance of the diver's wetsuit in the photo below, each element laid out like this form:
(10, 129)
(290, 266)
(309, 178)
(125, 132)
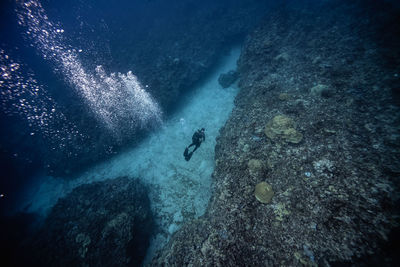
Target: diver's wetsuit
(197, 138)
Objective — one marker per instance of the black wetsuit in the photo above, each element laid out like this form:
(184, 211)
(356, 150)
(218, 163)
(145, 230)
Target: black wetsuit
(197, 138)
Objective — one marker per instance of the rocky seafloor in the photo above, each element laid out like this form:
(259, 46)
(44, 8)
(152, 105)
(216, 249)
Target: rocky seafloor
(106, 223)
(317, 118)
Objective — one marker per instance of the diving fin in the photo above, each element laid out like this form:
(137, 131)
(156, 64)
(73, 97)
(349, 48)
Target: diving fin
(187, 155)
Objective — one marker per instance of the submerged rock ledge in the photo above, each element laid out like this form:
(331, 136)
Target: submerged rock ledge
(107, 223)
(335, 191)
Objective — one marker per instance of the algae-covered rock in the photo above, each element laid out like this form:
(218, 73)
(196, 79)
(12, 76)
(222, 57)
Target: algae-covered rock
(293, 136)
(255, 167)
(321, 90)
(282, 128)
(264, 192)
(283, 56)
(107, 223)
(84, 242)
(280, 211)
(284, 96)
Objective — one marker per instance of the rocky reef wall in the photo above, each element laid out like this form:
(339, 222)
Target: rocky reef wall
(106, 223)
(325, 74)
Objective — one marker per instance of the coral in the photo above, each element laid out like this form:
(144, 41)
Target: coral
(280, 211)
(264, 192)
(255, 167)
(283, 128)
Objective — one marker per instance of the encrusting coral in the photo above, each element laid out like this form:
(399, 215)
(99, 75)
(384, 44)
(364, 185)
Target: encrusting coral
(282, 128)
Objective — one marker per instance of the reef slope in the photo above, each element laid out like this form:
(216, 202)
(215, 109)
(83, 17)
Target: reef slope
(333, 71)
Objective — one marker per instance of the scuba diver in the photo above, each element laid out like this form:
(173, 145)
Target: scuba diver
(197, 138)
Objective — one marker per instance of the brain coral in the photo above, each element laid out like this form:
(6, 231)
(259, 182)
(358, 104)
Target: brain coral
(282, 128)
(264, 192)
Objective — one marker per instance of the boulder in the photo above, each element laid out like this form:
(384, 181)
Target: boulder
(321, 90)
(282, 57)
(227, 79)
(106, 223)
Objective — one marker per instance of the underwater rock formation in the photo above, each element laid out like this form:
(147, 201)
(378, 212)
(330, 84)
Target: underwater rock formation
(105, 223)
(335, 203)
(172, 61)
(227, 79)
(256, 167)
(321, 90)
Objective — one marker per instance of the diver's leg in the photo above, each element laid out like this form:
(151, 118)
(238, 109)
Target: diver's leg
(197, 146)
(189, 156)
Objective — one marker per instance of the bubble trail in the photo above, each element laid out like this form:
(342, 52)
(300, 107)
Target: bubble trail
(23, 96)
(118, 100)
